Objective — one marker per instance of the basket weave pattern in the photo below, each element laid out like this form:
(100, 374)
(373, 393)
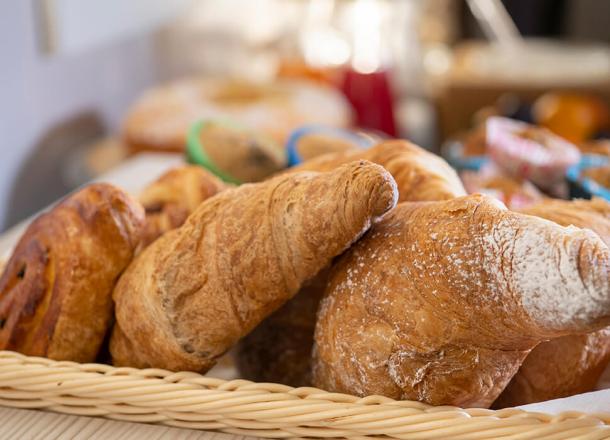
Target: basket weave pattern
(189, 400)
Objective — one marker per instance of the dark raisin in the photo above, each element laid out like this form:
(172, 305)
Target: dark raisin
(21, 273)
(154, 208)
(2, 322)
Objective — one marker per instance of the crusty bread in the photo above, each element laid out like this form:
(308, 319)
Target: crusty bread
(558, 368)
(278, 350)
(55, 293)
(441, 301)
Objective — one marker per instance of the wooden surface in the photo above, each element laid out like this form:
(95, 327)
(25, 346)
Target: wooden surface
(29, 424)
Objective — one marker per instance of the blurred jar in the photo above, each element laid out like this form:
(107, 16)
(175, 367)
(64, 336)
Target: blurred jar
(357, 45)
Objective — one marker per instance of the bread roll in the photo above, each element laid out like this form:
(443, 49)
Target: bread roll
(441, 301)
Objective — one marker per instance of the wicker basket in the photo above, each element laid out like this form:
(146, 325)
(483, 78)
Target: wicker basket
(189, 400)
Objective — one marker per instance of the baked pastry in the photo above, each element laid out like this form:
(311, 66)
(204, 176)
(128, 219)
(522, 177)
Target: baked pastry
(514, 192)
(419, 174)
(311, 141)
(234, 154)
(475, 142)
(171, 198)
(571, 364)
(55, 292)
(558, 368)
(591, 214)
(160, 119)
(312, 145)
(278, 350)
(193, 293)
(440, 302)
(573, 116)
(600, 147)
(530, 152)
(600, 175)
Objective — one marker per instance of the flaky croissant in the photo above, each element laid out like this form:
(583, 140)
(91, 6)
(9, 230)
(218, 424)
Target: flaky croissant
(190, 296)
(55, 293)
(571, 364)
(420, 176)
(440, 302)
(171, 198)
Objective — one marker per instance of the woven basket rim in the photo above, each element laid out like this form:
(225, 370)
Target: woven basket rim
(190, 400)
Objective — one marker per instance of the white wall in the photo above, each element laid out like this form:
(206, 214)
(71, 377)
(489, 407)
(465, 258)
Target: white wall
(38, 91)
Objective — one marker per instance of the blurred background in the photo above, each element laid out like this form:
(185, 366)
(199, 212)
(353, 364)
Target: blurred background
(86, 85)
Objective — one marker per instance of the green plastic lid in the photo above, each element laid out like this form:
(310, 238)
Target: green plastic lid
(196, 154)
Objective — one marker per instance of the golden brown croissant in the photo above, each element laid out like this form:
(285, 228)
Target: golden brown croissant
(419, 174)
(571, 364)
(190, 296)
(440, 302)
(55, 293)
(171, 198)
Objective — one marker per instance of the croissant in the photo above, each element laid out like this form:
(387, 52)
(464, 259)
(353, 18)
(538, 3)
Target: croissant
(55, 293)
(419, 175)
(441, 301)
(193, 293)
(171, 198)
(570, 364)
